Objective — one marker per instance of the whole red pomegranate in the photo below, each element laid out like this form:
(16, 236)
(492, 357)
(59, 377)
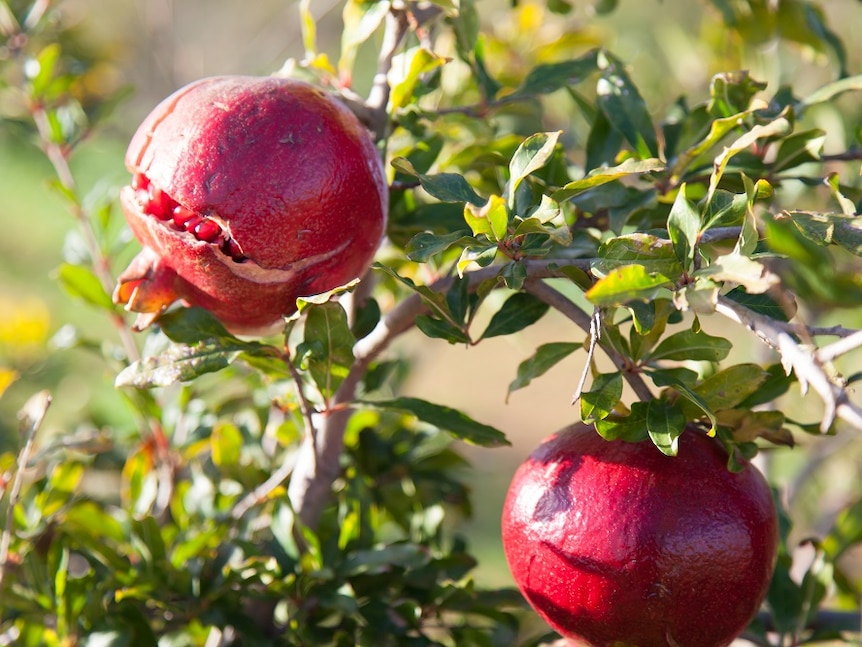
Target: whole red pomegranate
(247, 193)
(614, 543)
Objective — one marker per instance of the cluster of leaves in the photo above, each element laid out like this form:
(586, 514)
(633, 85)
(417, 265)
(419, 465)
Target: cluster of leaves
(640, 237)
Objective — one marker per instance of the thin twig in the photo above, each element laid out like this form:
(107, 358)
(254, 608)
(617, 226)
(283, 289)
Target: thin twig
(595, 335)
(565, 306)
(31, 417)
(59, 161)
(838, 348)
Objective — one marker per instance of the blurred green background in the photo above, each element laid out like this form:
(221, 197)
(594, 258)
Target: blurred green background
(673, 47)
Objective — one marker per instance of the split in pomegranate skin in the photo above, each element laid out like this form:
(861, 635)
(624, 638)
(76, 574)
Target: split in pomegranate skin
(614, 543)
(247, 193)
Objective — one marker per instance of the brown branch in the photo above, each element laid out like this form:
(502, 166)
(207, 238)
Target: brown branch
(31, 417)
(565, 306)
(804, 362)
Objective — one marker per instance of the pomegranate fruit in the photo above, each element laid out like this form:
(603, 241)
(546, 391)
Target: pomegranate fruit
(246, 193)
(614, 543)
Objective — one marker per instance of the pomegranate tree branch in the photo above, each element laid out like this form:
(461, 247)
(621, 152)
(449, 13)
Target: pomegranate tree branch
(58, 157)
(565, 306)
(804, 362)
(31, 417)
(317, 462)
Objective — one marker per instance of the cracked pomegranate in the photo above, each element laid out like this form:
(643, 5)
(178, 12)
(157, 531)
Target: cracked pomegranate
(246, 193)
(614, 543)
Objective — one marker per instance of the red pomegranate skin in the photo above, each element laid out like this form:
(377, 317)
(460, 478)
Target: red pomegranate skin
(289, 181)
(615, 544)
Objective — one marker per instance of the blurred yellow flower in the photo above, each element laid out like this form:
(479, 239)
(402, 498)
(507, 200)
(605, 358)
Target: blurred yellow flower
(24, 325)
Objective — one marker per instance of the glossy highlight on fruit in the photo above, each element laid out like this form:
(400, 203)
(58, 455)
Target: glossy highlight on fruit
(246, 193)
(616, 544)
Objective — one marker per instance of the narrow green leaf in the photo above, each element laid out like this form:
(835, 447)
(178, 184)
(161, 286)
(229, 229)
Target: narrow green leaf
(193, 325)
(360, 20)
(731, 386)
(605, 174)
(451, 420)
(734, 268)
(328, 338)
(603, 396)
(655, 254)
(439, 329)
(620, 100)
(545, 357)
(679, 382)
(760, 303)
(424, 245)
(532, 154)
(547, 78)
(665, 424)
(179, 363)
(691, 345)
(81, 282)
(446, 187)
(778, 127)
(830, 229)
(831, 90)
(422, 61)
(604, 141)
(625, 284)
(518, 311)
(683, 226)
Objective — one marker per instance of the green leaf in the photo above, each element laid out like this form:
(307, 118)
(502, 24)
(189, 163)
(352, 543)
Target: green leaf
(531, 155)
(654, 254)
(776, 128)
(627, 283)
(830, 229)
(731, 93)
(422, 61)
(451, 420)
(424, 245)
(518, 311)
(665, 424)
(603, 396)
(491, 219)
(545, 357)
(226, 444)
(631, 428)
(683, 226)
(691, 345)
(549, 77)
(605, 174)
(731, 386)
(736, 269)
(760, 303)
(680, 382)
(81, 282)
(446, 187)
(193, 325)
(603, 143)
(179, 363)
(439, 329)
(360, 21)
(831, 90)
(327, 347)
(620, 100)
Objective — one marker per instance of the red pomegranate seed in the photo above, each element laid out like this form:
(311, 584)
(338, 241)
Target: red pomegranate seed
(182, 215)
(230, 247)
(159, 204)
(207, 230)
(140, 181)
